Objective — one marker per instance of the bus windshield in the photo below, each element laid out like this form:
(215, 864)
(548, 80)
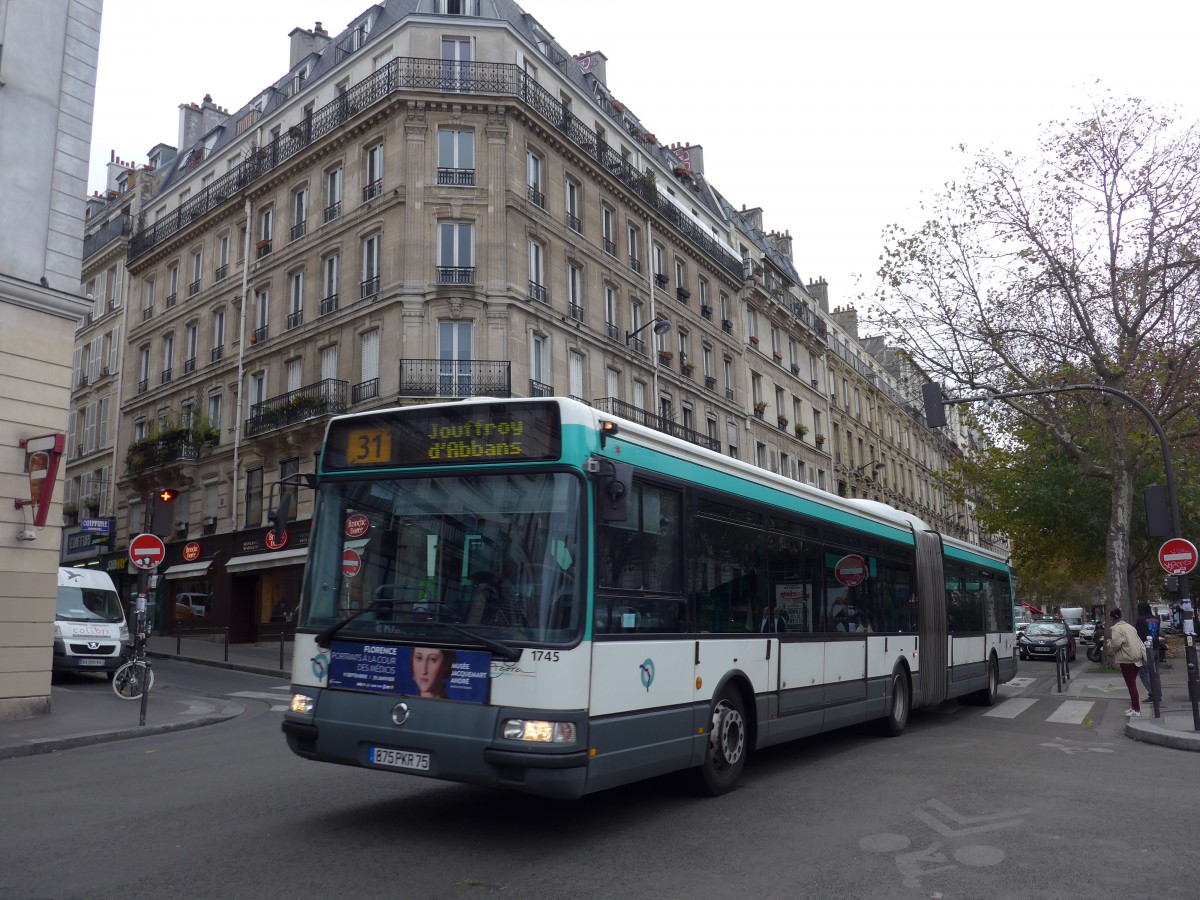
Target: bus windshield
(493, 555)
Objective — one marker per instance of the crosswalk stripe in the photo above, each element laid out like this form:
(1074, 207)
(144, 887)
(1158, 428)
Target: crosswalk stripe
(1071, 712)
(1010, 709)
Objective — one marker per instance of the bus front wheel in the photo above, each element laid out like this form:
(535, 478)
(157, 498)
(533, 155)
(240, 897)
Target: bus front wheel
(725, 757)
(898, 707)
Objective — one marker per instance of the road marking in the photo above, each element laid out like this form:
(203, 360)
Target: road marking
(1071, 712)
(1020, 682)
(966, 824)
(255, 695)
(1010, 709)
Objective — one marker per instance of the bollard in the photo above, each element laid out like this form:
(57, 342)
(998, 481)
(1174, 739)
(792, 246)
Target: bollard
(226, 630)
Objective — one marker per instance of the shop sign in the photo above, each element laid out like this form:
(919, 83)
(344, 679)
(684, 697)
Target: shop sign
(191, 551)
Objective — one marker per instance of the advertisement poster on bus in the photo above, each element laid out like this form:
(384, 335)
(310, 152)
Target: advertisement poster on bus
(433, 672)
(792, 601)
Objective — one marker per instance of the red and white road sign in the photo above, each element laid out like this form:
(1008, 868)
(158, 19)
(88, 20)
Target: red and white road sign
(850, 570)
(351, 562)
(1177, 556)
(357, 525)
(146, 551)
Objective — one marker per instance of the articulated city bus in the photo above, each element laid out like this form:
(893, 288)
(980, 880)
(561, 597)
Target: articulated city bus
(536, 595)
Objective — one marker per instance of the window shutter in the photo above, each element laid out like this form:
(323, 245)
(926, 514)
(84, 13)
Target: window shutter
(329, 363)
(102, 431)
(370, 355)
(576, 364)
(76, 357)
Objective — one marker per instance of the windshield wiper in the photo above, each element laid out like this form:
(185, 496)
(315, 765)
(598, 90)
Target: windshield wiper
(325, 636)
(504, 651)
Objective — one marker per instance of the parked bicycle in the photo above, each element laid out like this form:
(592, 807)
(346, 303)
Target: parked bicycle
(135, 675)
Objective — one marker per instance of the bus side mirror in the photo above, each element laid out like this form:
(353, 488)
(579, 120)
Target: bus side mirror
(614, 485)
(280, 516)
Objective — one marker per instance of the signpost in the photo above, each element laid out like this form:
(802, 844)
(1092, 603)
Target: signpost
(147, 551)
(1177, 556)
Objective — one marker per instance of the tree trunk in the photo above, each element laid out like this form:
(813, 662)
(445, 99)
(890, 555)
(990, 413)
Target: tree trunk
(1117, 553)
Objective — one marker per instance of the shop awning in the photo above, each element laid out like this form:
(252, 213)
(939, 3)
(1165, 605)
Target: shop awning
(267, 560)
(188, 570)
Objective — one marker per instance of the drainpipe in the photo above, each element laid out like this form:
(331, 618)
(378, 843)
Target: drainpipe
(653, 312)
(241, 387)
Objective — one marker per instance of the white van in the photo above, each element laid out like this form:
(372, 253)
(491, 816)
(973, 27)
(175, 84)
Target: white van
(90, 633)
(1072, 616)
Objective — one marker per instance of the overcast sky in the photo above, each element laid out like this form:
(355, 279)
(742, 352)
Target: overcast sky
(837, 118)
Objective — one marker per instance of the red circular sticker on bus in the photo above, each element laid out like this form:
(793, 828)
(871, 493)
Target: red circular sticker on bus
(351, 563)
(850, 570)
(357, 525)
(191, 551)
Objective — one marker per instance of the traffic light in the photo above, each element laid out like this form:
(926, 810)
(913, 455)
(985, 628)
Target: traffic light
(162, 512)
(935, 413)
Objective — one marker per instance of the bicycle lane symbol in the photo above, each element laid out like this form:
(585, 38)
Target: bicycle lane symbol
(917, 863)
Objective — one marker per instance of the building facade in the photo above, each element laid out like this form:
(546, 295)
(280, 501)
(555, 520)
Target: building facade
(437, 202)
(47, 84)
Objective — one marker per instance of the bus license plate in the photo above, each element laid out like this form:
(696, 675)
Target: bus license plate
(91, 661)
(399, 759)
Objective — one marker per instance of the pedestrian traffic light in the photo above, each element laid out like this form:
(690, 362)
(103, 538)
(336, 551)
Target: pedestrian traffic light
(162, 512)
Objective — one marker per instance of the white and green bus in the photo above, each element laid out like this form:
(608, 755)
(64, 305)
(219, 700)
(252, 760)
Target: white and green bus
(536, 595)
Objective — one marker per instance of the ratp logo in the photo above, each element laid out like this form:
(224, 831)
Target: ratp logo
(646, 669)
(320, 665)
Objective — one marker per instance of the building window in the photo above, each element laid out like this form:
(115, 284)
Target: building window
(456, 157)
(575, 292)
(537, 274)
(299, 213)
(573, 206)
(333, 194)
(456, 253)
(608, 230)
(533, 168)
(369, 286)
(373, 172)
(295, 300)
(254, 496)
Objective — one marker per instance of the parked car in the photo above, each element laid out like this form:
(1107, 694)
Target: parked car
(1087, 632)
(191, 606)
(1022, 625)
(1044, 639)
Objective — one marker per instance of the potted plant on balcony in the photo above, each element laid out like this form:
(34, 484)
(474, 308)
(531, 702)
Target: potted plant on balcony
(90, 505)
(686, 367)
(665, 357)
(801, 431)
(819, 438)
(782, 421)
(70, 513)
(760, 407)
(617, 106)
(777, 356)
(649, 138)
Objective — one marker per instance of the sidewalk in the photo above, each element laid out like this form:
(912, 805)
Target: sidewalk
(1174, 728)
(92, 716)
(82, 714)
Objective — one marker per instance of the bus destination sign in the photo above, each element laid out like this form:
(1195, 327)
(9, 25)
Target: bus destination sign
(436, 436)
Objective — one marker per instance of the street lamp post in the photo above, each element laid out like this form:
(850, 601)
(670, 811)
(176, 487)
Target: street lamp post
(936, 416)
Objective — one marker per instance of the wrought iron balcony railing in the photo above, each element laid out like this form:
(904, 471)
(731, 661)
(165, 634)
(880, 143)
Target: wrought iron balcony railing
(436, 76)
(323, 398)
(333, 210)
(365, 390)
(455, 274)
(657, 422)
(539, 389)
(455, 378)
(368, 288)
(329, 304)
(176, 446)
(458, 177)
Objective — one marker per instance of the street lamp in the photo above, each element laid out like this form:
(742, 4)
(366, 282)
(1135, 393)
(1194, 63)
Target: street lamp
(661, 326)
(875, 466)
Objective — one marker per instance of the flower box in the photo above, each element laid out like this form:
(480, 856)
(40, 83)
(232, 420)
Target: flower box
(801, 431)
(710, 381)
(778, 357)
(819, 438)
(754, 340)
(782, 421)
(760, 407)
(727, 325)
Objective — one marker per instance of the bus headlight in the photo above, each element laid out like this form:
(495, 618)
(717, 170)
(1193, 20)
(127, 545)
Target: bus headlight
(303, 704)
(540, 731)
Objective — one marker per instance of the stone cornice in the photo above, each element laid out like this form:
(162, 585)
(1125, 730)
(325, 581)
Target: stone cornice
(43, 299)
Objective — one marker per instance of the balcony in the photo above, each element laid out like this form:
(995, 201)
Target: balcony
(661, 279)
(295, 320)
(368, 288)
(456, 177)
(176, 445)
(332, 211)
(537, 292)
(574, 224)
(166, 376)
(373, 190)
(536, 197)
(609, 247)
(455, 378)
(455, 274)
(299, 230)
(612, 330)
(635, 264)
(169, 303)
(329, 304)
(222, 273)
(365, 390)
(259, 335)
(323, 398)
(217, 353)
(189, 365)
(575, 311)
(194, 288)
(263, 248)
(143, 385)
(147, 313)
(657, 422)
(538, 389)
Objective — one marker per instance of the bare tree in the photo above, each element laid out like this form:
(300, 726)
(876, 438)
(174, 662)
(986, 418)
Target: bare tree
(1077, 266)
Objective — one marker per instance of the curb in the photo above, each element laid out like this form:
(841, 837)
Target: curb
(1149, 733)
(225, 712)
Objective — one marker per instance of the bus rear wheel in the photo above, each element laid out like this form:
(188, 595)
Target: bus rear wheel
(725, 757)
(898, 707)
(988, 695)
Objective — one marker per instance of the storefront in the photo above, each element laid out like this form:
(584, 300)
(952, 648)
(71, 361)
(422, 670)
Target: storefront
(247, 583)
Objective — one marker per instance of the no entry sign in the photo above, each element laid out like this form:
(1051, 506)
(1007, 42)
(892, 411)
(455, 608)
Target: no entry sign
(146, 551)
(1177, 556)
(850, 570)
(351, 562)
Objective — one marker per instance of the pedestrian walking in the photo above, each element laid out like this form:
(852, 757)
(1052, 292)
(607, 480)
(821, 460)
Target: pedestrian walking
(1146, 625)
(1128, 653)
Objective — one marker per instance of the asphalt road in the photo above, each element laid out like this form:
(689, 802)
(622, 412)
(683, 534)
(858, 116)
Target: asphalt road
(963, 805)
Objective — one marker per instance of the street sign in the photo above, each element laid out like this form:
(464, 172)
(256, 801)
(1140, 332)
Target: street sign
(1177, 556)
(146, 551)
(357, 525)
(351, 563)
(850, 570)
